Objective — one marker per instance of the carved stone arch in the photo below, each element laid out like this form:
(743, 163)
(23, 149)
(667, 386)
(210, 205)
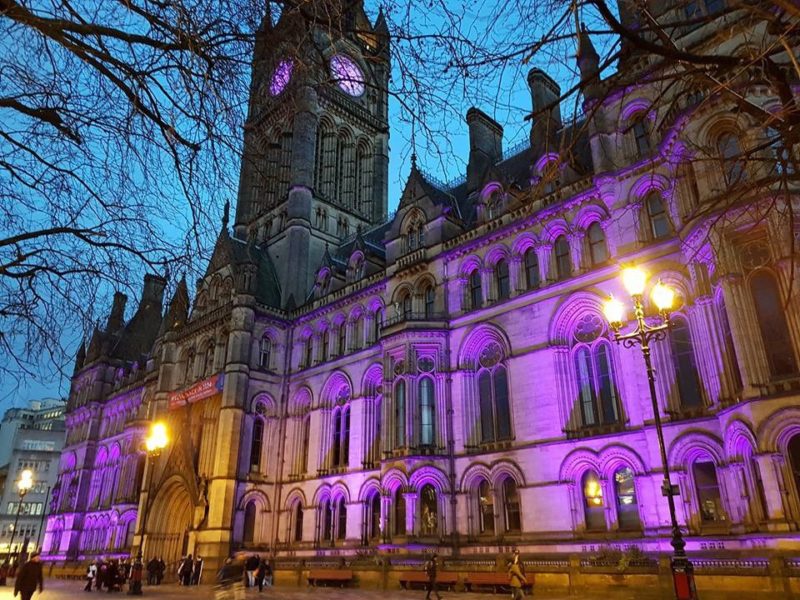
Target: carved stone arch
(649, 183)
(429, 474)
(720, 122)
(567, 313)
(636, 106)
(479, 338)
(257, 496)
(301, 401)
(694, 444)
(355, 313)
(576, 463)
(495, 254)
(675, 276)
(615, 456)
(423, 282)
(295, 496)
(101, 457)
(414, 217)
(596, 212)
(375, 303)
(372, 381)
(340, 490)
(554, 229)
(336, 389)
(523, 242)
(338, 319)
(739, 440)
(270, 407)
(393, 479)
(322, 494)
(469, 264)
(474, 474)
(504, 468)
(401, 291)
(114, 453)
(776, 431)
(368, 488)
(322, 325)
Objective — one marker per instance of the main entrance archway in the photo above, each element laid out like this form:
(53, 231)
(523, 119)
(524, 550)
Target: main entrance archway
(169, 522)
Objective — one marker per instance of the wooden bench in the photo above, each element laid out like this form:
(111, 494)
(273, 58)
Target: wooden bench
(498, 582)
(445, 579)
(340, 577)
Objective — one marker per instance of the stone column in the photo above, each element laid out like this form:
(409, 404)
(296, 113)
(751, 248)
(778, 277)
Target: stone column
(577, 255)
(516, 278)
(544, 251)
(411, 512)
(773, 489)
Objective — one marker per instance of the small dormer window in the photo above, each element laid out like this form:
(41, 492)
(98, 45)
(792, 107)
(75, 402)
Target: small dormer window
(641, 133)
(548, 169)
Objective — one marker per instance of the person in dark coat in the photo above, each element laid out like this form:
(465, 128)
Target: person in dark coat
(152, 571)
(4, 569)
(29, 578)
(198, 571)
(112, 576)
(185, 572)
(431, 569)
(162, 568)
(262, 574)
(251, 566)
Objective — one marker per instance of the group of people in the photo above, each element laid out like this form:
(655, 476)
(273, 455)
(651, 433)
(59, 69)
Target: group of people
(109, 574)
(190, 570)
(515, 568)
(237, 574)
(259, 573)
(156, 567)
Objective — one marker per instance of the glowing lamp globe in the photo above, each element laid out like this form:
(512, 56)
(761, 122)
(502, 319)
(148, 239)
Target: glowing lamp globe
(158, 439)
(663, 296)
(634, 279)
(25, 480)
(614, 311)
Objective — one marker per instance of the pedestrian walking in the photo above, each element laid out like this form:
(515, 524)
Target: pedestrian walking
(91, 575)
(162, 568)
(100, 579)
(152, 571)
(197, 572)
(263, 575)
(517, 580)
(431, 569)
(251, 566)
(29, 578)
(185, 570)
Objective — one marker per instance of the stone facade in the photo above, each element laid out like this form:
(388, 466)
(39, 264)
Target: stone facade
(445, 378)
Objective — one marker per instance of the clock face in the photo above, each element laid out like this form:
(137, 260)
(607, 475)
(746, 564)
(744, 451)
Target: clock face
(281, 77)
(347, 75)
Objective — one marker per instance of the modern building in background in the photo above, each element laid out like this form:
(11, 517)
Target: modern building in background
(343, 381)
(30, 438)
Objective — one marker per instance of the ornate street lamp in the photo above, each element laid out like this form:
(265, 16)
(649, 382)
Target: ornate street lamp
(154, 443)
(635, 280)
(24, 484)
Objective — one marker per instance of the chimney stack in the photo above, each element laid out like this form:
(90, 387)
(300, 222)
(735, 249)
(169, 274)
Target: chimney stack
(545, 95)
(153, 291)
(485, 146)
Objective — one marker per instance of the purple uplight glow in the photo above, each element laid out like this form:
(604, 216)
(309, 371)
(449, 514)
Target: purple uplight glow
(281, 77)
(346, 73)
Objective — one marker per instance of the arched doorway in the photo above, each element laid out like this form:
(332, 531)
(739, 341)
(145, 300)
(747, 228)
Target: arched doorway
(168, 522)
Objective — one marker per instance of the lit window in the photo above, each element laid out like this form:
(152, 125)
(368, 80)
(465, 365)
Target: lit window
(709, 498)
(427, 406)
(511, 505)
(597, 244)
(593, 504)
(627, 508)
(400, 414)
(563, 261)
(429, 510)
(485, 507)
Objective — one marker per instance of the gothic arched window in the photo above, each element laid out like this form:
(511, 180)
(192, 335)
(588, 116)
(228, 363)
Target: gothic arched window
(249, 522)
(625, 491)
(399, 512)
(345, 170)
(375, 516)
(427, 412)
(341, 337)
(641, 134)
(429, 510)
(562, 257)
(400, 414)
(502, 280)
(341, 516)
(475, 292)
(306, 440)
(256, 444)
(495, 412)
(298, 522)
(485, 504)
(531, 269)
(364, 162)
(511, 505)
(308, 349)
(326, 521)
(264, 352)
(593, 505)
(709, 498)
(793, 455)
(597, 391)
(430, 300)
(683, 360)
(657, 217)
(598, 252)
(407, 306)
(730, 155)
(772, 323)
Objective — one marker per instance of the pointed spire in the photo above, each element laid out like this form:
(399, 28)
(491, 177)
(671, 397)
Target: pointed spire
(588, 64)
(95, 345)
(178, 311)
(81, 356)
(381, 27)
(226, 215)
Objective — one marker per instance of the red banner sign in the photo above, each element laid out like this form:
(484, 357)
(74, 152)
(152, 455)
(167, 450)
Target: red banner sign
(199, 391)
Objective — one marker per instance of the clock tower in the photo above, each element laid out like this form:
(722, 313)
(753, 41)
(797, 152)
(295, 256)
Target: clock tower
(315, 162)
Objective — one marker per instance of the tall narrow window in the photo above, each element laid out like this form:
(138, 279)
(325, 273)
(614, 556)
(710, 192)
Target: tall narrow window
(309, 351)
(793, 452)
(306, 441)
(344, 459)
(494, 405)
(376, 325)
(249, 523)
(586, 386)
(511, 505)
(256, 444)
(598, 252)
(730, 155)
(475, 292)
(265, 352)
(485, 507)
(709, 498)
(593, 504)
(399, 512)
(430, 299)
(657, 215)
(400, 414)
(407, 307)
(298, 522)
(188, 375)
(375, 516)
(337, 438)
(730, 347)
(427, 407)
(627, 508)
(326, 520)
(641, 135)
(563, 261)
(531, 269)
(364, 178)
(773, 325)
(503, 286)
(429, 513)
(683, 360)
(340, 339)
(341, 514)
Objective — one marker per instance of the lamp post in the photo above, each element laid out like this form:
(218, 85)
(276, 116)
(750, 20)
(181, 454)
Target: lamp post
(635, 279)
(154, 443)
(24, 484)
